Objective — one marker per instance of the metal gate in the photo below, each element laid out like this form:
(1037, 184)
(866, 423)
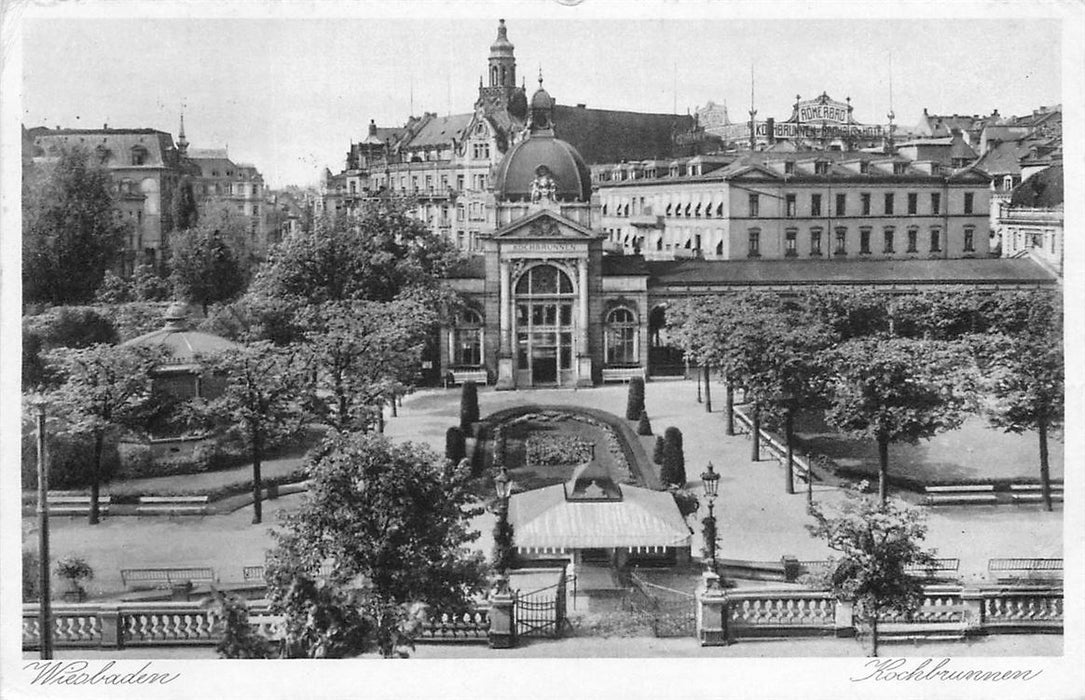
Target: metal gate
(541, 613)
(669, 612)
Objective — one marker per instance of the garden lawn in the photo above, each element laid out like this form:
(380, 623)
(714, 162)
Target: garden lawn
(973, 451)
(205, 482)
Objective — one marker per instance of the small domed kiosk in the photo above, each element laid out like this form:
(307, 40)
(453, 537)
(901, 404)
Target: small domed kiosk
(182, 375)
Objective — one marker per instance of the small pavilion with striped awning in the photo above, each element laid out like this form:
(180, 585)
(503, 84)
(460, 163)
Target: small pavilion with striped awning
(591, 519)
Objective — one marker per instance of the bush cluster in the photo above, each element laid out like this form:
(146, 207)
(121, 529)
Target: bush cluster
(556, 449)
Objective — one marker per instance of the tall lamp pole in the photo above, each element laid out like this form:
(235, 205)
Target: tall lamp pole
(45, 613)
(503, 489)
(710, 481)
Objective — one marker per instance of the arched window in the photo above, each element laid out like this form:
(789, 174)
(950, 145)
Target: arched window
(543, 280)
(467, 339)
(620, 339)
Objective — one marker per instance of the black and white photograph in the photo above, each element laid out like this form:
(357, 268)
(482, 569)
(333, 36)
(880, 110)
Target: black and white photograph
(558, 348)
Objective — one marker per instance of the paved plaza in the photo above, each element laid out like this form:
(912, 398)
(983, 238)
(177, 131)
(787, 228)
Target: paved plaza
(758, 520)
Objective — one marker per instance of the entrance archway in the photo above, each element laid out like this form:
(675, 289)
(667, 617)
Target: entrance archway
(545, 327)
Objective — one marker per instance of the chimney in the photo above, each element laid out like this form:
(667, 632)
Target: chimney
(104, 127)
(770, 129)
(372, 127)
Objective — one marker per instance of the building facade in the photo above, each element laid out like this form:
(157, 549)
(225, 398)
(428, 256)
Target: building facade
(831, 205)
(567, 292)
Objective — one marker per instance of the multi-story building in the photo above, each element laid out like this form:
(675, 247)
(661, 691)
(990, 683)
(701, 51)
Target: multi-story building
(447, 163)
(1030, 223)
(145, 166)
(832, 205)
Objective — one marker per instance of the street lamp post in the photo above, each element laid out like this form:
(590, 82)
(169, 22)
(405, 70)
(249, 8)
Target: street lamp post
(710, 481)
(503, 489)
(45, 616)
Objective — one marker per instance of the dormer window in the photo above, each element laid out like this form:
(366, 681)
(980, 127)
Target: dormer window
(821, 167)
(789, 167)
(864, 167)
(899, 168)
(139, 155)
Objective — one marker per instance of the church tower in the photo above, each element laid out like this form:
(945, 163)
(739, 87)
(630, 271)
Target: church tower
(499, 86)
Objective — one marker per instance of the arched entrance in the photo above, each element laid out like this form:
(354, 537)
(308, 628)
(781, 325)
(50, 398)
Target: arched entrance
(663, 358)
(545, 327)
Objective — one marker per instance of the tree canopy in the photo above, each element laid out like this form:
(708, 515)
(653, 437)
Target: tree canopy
(878, 542)
(71, 232)
(204, 267)
(392, 519)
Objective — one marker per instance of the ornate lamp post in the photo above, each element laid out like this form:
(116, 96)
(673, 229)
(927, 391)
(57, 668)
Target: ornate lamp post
(710, 480)
(503, 489)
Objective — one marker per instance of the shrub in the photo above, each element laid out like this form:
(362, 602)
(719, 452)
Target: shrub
(644, 427)
(455, 445)
(74, 568)
(468, 406)
(634, 404)
(686, 501)
(31, 576)
(134, 318)
(657, 453)
(71, 327)
(71, 460)
(557, 449)
(673, 469)
(148, 285)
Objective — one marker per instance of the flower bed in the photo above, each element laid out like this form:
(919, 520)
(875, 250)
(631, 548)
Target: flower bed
(544, 450)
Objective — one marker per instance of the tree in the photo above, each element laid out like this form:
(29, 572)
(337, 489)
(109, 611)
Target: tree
(374, 256)
(205, 268)
(239, 640)
(60, 327)
(898, 390)
(183, 206)
(634, 404)
(455, 445)
(104, 388)
(393, 521)
(644, 426)
(849, 314)
(364, 353)
(148, 285)
(1025, 377)
(878, 541)
(71, 231)
(262, 400)
(673, 467)
(468, 406)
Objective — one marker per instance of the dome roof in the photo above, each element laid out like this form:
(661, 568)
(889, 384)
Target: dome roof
(527, 160)
(502, 46)
(184, 345)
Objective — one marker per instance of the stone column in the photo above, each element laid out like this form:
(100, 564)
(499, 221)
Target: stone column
(502, 619)
(583, 361)
(505, 378)
(712, 611)
(844, 624)
(973, 615)
(112, 623)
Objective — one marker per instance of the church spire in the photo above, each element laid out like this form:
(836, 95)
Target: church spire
(182, 143)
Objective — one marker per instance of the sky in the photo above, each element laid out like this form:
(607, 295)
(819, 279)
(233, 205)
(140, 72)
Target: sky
(290, 93)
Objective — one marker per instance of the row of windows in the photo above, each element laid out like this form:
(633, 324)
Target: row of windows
(840, 238)
(430, 184)
(840, 203)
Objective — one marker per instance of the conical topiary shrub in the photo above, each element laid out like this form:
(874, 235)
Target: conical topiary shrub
(634, 404)
(657, 453)
(468, 406)
(455, 445)
(673, 467)
(644, 427)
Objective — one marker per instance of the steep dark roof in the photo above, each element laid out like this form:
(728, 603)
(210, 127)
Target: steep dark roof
(471, 267)
(1042, 190)
(440, 131)
(777, 272)
(610, 136)
(618, 265)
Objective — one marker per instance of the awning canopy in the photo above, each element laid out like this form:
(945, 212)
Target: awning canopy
(643, 518)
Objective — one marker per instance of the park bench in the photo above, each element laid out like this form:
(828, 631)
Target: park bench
(142, 579)
(172, 505)
(256, 573)
(67, 503)
(478, 376)
(960, 494)
(936, 569)
(1024, 569)
(622, 374)
(1033, 493)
